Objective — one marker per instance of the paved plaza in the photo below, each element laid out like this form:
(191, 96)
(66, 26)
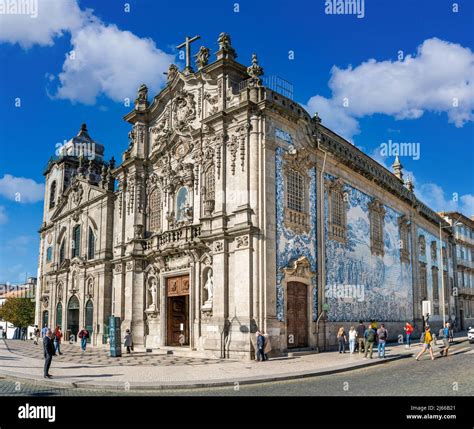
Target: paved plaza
(94, 369)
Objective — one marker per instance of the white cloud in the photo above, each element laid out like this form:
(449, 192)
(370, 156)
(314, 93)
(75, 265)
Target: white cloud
(334, 116)
(21, 189)
(53, 19)
(435, 197)
(3, 215)
(112, 62)
(439, 78)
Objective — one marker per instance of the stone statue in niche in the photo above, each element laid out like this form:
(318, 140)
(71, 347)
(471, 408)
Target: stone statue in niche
(209, 286)
(153, 289)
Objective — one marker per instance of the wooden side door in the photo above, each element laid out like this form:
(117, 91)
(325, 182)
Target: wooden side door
(297, 315)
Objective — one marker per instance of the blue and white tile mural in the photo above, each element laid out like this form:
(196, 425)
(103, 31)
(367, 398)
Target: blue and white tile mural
(291, 246)
(360, 285)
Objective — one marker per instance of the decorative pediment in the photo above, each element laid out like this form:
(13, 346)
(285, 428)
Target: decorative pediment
(299, 268)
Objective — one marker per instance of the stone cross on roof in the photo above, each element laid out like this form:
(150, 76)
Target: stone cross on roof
(187, 44)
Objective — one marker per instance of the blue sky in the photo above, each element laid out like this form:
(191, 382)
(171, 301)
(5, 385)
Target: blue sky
(78, 60)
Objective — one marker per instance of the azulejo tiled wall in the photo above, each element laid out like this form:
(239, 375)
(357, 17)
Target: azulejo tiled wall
(291, 246)
(360, 285)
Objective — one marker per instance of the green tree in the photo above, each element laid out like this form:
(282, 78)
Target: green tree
(19, 311)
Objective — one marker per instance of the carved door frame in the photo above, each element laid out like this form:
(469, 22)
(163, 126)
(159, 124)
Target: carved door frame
(164, 305)
(299, 272)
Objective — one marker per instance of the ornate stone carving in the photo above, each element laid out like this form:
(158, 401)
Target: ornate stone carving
(118, 268)
(202, 57)
(218, 246)
(213, 101)
(184, 111)
(225, 47)
(141, 102)
(241, 241)
(301, 268)
(255, 70)
(161, 133)
(77, 192)
(172, 72)
(129, 266)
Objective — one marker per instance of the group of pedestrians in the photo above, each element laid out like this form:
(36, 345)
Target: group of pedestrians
(364, 339)
(428, 341)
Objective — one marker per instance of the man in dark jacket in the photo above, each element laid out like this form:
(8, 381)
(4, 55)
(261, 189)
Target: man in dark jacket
(369, 336)
(260, 346)
(360, 335)
(48, 352)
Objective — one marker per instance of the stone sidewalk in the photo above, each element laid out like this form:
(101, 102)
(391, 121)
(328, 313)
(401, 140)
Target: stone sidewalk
(141, 371)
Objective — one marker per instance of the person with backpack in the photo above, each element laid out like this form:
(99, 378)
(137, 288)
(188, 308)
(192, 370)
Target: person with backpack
(444, 334)
(382, 335)
(426, 339)
(408, 331)
(58, 335)
(369, 336)
(360, 336)
(83, 335)
(341, 339)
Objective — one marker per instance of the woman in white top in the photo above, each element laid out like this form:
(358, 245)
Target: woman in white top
(352, 339)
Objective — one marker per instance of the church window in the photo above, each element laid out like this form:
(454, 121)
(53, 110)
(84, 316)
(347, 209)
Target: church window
(181, 204)
(155, 211)
(49, 254)
(52, 195)
(337, 211)
(434, 276)
(91, 245)
(376, 216)
(295, 191)
(76, 241)
(62, 252)
(423, 284)
(422, 245)
(404, 245)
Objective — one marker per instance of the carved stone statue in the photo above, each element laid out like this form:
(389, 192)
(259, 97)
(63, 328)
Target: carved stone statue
(209, 286)
(142, 96)
(172, 72)
(202, 57)
(153, 289)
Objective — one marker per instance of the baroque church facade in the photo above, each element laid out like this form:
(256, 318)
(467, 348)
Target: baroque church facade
(233, 210)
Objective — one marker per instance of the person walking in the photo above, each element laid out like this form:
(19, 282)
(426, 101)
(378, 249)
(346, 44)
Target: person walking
(44, 331)
(83, 335)
(382, 335)
(451, 331)
(36, 335)
(444, 334)
(341, 339)
(360, 336)
(128, 340)
(426, 339)
(369, 336)
(48, 352)
(408, 331)
(352, 339)
(260, 346)
(58, 336)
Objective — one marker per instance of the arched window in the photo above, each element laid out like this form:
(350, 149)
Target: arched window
(154, 211)
(89, 318)
(52, 195)
(76, 241)
(59, 315)
(181, 203)
(62, 252)
(49, 254)
(91, 245)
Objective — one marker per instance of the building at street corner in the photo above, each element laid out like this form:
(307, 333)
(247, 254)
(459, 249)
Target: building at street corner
(464, 235)
(233, 210)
